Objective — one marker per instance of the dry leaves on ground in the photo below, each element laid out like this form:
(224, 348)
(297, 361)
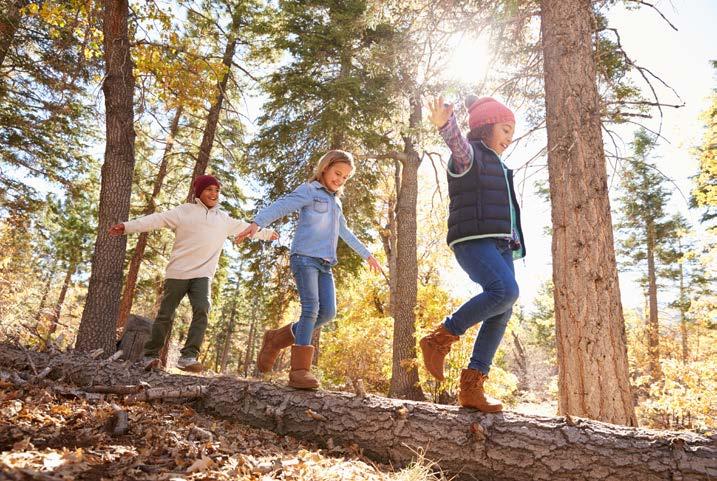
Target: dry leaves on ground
(48, 432)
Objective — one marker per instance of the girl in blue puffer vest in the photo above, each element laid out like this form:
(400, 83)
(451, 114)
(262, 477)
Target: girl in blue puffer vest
(485, 235)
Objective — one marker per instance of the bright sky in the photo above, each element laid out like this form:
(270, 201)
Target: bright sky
(682, 60)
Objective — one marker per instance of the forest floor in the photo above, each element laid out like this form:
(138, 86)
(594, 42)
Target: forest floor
(52, 431)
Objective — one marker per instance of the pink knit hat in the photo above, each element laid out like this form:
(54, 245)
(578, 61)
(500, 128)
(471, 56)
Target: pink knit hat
(487, 110)
(201, 182)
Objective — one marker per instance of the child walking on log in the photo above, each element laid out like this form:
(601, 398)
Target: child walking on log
(313, 253)
(485, 234)
(200, 229)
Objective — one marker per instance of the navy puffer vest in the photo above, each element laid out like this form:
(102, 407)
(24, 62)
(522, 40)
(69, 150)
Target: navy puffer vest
(480, 200)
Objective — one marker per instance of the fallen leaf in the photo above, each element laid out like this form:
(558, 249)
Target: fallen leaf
(53, 460)
(201, 464)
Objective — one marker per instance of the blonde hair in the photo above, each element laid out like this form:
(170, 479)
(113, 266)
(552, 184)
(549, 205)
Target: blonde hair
(330, 158)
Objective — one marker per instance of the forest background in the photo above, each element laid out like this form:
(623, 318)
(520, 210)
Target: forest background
(254, 92)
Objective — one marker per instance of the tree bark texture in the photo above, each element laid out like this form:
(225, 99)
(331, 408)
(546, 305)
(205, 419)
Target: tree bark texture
(465, 443)
(653, 325)
(590, 330)
(133, 272)
(404, 372)
(99, 317)
(215, 109)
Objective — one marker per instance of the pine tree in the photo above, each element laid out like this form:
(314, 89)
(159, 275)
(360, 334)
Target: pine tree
(48, 54)
(647, 228)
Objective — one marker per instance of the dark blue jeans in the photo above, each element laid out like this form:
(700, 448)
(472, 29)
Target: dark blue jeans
(315, 283)
(488, 262)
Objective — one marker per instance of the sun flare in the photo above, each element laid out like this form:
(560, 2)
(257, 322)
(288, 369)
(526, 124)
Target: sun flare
(470, 59)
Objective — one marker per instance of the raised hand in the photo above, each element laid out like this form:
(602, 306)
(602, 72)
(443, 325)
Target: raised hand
(116, 230)
(440, 111)
(248, 232)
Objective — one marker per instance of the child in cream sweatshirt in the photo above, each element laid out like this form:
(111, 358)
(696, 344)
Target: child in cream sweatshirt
(200, 230)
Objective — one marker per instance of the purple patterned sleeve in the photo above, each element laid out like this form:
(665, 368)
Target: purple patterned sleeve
(461, 152)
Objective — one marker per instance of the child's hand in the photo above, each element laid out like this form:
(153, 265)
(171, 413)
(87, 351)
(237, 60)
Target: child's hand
(274, 235)
(248, 232)
(440, 111)
(374, 265)
(116, 230)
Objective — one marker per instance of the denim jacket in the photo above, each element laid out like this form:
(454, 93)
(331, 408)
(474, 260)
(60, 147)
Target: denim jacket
(321, 222)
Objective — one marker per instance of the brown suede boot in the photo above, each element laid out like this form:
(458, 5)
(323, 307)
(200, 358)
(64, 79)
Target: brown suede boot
(435, 347)
(274, 341)
(472, 395)
(300, 375)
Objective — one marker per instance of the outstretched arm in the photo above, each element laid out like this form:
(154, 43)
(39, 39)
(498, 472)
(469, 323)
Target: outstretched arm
(147, 223)
(236, 227)
(442, 116)
(276, 210)
(285, 205)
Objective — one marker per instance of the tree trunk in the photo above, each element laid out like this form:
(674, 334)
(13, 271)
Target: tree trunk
(249, 353)
(590, 329)
(465, 443)
(99, 318)
(46, 292)
(404, 372)
(522, 361)
(227, 341)
(134, 265)
(55, 318)
(215, 109)
(388, 237)
(653, 328)
(9, 23)
(683, 316)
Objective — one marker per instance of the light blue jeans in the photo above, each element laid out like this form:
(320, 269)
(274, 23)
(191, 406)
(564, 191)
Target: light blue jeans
(315, 283)
(488, 262)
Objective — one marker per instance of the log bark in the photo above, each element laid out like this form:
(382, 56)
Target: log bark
(593, 376)
(136, 334)
(471, 445)
(99, 317)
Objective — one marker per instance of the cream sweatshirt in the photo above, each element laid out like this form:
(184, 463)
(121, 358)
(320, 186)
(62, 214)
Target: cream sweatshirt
(199, 235)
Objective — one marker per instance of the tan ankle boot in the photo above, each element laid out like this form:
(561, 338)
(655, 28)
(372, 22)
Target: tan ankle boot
(471, 394)
(300, 375)
(435, 347)
(274, 341)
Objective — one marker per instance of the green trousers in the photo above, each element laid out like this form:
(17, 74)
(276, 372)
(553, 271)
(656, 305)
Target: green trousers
(174, 290)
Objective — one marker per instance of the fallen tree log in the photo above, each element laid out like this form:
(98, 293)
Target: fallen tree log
(465, 443)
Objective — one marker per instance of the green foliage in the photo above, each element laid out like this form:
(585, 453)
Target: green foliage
(704, 194)
(644, 222)
(45, 119)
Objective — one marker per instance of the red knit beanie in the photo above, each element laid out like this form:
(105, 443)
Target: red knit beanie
(487, 110)
(201, 182)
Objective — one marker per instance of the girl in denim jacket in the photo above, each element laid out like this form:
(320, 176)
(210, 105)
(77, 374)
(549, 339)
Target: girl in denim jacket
(313, 253)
